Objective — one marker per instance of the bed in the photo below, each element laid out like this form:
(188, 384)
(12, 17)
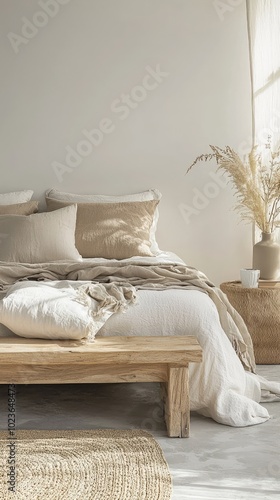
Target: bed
(77, 296)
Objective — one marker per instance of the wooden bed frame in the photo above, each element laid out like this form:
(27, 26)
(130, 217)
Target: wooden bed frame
(108, 360)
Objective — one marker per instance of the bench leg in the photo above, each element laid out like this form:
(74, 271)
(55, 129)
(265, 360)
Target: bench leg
(176, 402)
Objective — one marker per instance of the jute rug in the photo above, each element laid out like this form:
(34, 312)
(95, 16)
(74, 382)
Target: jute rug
(83, 465)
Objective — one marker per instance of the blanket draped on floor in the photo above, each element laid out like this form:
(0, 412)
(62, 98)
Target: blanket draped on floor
(141, 276)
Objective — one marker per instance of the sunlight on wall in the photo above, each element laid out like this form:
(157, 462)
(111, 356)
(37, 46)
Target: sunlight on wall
(264, 32)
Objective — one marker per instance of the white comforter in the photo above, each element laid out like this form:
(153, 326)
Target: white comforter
(219, 386)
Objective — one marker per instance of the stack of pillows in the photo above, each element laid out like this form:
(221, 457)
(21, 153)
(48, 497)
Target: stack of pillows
(77, 226)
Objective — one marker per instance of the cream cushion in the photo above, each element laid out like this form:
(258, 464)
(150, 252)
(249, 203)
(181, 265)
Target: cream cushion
(149, 195)
(42, 237)
(30, 207)
(16, 197)
(47, 310)
(112, 230)
(62, 309)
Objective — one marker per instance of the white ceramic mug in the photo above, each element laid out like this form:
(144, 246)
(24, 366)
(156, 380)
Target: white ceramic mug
(250, 278)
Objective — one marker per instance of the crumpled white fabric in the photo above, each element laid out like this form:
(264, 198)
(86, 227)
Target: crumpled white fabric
(61, 310)
(220, 388)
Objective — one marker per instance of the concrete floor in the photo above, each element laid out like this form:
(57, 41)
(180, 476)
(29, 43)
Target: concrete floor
(216, 462)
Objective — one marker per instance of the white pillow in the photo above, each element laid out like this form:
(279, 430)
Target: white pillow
(47, 311)
(16, 197)
(43, 237)
(151, 194)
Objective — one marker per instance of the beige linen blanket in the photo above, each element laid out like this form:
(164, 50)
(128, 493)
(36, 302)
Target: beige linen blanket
(140, 276)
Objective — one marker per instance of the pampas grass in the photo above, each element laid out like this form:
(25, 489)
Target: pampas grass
(256, 183)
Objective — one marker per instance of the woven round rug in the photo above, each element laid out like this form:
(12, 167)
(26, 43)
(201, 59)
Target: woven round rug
(83, 465)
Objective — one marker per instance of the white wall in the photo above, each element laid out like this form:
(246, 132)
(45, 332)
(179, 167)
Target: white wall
(67, 75)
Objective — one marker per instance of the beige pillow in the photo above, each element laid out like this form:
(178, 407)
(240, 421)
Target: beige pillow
(112, 230)
(43, 237)
(20, 208)
(150, 194)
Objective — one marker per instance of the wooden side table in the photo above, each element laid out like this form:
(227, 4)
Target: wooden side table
(260, 309)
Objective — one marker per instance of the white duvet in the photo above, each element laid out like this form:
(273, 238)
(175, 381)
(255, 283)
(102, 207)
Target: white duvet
(220, 388)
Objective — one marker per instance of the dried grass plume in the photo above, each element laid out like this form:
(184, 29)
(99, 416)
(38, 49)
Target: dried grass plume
(256, 182)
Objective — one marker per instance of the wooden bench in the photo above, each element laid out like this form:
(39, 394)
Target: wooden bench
(107, 360)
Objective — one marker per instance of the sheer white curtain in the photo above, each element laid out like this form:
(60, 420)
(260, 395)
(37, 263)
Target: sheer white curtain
(264, 45)
(264, 39)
